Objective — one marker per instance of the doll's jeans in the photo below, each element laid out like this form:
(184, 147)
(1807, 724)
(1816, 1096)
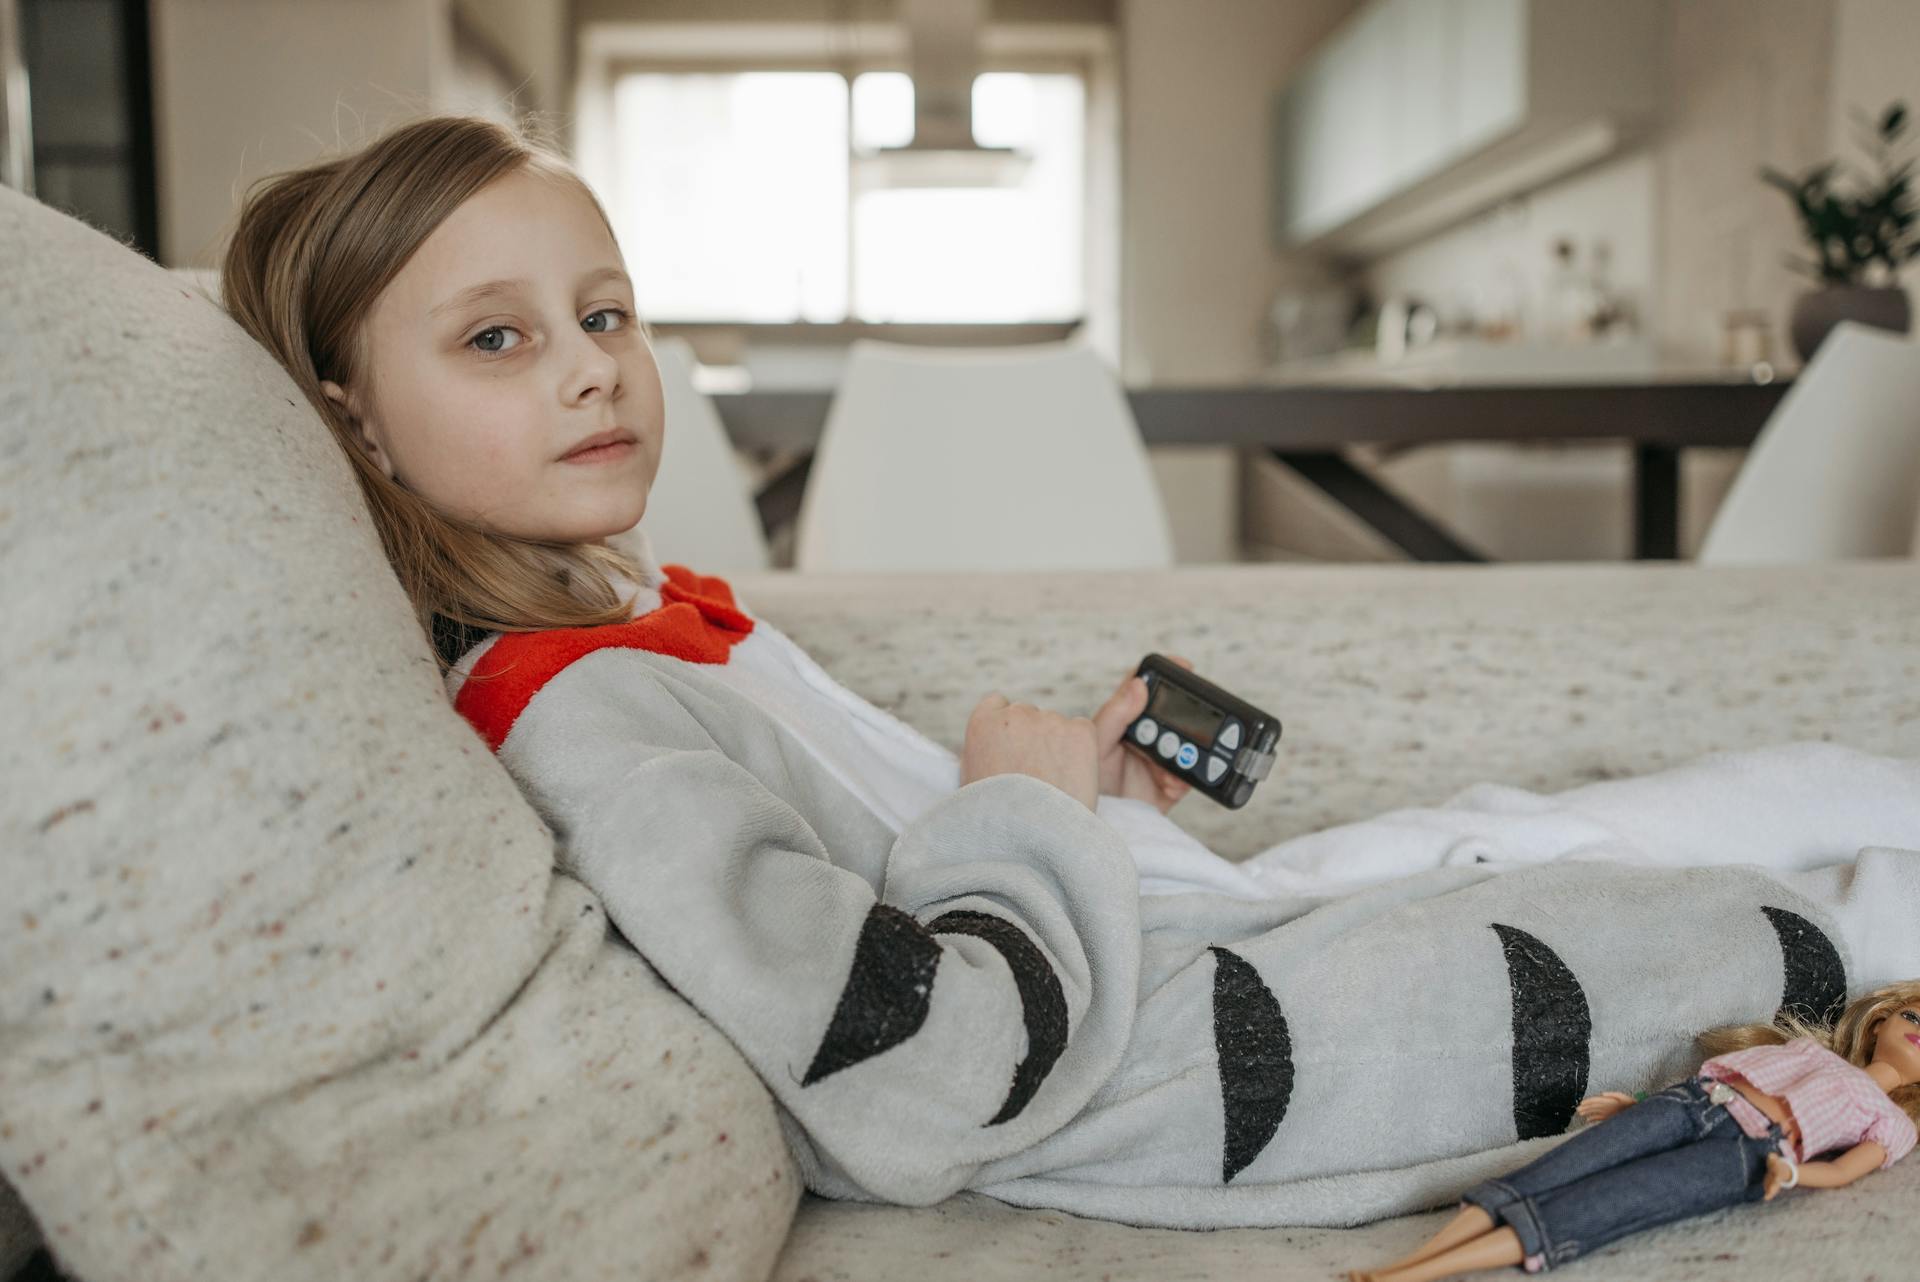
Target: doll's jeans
(1673, 1155)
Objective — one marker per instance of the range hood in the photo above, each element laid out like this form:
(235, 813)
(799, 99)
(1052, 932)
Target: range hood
(943, 43)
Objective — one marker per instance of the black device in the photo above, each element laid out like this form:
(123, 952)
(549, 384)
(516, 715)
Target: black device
(1219, 743)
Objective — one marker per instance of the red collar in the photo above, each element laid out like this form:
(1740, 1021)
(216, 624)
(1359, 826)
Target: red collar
(696, 620)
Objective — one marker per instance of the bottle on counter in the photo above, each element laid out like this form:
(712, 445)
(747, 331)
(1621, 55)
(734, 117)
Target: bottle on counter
(1569, 297)
(1608, 315)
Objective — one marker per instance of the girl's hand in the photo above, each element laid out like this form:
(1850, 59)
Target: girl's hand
(1124, 773)
(1017, 738)
(1598, 1108)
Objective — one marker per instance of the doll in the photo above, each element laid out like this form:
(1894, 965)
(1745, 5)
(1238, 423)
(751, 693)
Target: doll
(1741, 1129)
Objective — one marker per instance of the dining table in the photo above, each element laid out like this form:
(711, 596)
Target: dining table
(1313, 429)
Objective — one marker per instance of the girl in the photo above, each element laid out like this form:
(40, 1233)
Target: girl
(1739, 1130)
(1009, 970)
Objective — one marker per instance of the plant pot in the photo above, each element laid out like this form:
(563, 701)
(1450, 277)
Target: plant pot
(1818, 310)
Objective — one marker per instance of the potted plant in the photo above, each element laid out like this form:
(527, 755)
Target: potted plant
(1860, 237)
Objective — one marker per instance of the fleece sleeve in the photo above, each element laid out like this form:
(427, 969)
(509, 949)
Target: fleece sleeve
(960, 1011)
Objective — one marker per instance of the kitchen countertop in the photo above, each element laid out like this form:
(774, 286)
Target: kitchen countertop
(1452, 363)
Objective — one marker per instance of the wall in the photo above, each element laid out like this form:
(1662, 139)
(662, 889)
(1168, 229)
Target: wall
(529, 39)
(1751, 84)
(1198, 266)
(244, 88)
(1479, 266)
(1199, 269)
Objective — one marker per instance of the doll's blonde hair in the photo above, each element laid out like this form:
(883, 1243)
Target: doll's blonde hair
(310, 251)
(1851, 1036)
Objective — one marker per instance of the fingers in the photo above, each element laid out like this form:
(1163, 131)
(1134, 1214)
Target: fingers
(990, 703)
(1128, 700)
(1119, 711)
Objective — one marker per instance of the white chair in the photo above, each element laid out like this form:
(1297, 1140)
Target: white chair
(699, 512)
(1019, 458)
(1835, 473)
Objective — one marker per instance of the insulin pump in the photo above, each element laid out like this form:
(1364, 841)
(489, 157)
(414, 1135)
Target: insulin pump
(1220, 744)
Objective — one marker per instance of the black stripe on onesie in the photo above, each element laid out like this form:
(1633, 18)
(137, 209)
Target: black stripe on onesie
(1552, 1032)
(888, 990)
(1255, 1053)
(890, 987)
(1043, 1001)
(1816, 978)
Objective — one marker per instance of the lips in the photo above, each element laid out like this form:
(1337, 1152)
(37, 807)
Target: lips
(1914, 1038)
(600, 438)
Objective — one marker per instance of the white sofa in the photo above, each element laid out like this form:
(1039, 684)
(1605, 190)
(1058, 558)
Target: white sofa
(288, 988)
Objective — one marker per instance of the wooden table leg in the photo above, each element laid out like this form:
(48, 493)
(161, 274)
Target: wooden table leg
(1656, 502)
(1410, 531)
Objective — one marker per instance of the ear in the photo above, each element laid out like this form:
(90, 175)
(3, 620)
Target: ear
(362, 432)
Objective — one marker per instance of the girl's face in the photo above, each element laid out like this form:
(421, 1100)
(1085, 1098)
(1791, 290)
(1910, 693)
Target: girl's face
(476, 390)
(1898, 1042)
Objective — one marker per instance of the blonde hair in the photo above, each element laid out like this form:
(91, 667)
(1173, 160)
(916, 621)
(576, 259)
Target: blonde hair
(1851, 1036)
(311, 250)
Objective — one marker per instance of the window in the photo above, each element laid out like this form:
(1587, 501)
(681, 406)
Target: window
(738, 197)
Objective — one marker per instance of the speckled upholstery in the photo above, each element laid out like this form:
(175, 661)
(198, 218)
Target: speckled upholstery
(1399, 685)
(288, 986)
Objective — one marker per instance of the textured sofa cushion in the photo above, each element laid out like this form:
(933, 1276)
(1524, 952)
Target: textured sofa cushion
(288, 986)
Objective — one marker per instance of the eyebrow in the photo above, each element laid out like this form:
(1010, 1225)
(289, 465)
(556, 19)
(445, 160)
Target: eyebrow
(495, 288)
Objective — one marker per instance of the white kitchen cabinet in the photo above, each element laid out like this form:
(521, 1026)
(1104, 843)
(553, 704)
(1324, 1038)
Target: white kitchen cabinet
(1424, 47)
(1416, 113)
(1491, 42)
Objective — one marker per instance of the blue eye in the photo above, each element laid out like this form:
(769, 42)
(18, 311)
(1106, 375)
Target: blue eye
(621, 312)
(1910, 1017)
(492, 329)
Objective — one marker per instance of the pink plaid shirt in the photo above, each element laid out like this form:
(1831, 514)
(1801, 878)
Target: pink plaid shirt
(1835, 1104)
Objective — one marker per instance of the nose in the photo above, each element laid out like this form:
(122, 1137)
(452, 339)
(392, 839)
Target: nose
(592, 370)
